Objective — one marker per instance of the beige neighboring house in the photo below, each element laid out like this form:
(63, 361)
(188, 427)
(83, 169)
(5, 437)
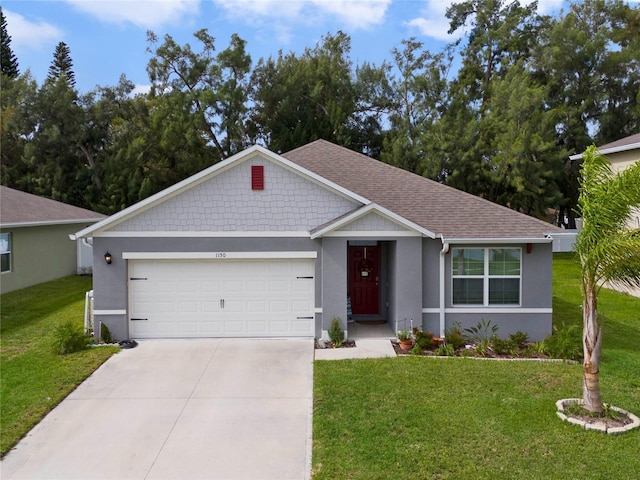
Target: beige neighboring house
(34, 239)
(622, 154)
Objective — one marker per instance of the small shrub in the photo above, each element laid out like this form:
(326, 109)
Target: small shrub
(519, 339)
(453, 337)
(336, 334)
(566, 342)
(69, 338)
(424, 340)
(483, 331)
(445, 351)
(483, 334)
(502, 346)
(105, 333)
(416, 350)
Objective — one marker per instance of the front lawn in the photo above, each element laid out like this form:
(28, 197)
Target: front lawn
(34, 379)
(421, 417)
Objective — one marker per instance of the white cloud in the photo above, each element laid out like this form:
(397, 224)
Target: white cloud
(140, 90)
(30, 35)
(144, 14)
(433, 22)
(357, 14)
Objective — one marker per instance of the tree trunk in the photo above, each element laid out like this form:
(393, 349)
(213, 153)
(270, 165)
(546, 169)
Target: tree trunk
(592, 343)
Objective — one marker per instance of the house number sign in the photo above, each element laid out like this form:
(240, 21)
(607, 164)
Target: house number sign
(221, 255)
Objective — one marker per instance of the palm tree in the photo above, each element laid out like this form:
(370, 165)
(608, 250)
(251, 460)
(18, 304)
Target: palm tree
(608, 251)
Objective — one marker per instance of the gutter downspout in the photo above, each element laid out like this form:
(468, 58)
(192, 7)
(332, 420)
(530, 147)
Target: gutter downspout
(443, 252)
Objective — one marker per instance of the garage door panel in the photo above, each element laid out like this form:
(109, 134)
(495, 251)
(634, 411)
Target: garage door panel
(256, 306)
(230, 298)
(210, 307)
(188, 307)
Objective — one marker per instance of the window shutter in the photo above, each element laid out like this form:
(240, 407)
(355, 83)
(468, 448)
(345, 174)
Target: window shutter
(257, 177)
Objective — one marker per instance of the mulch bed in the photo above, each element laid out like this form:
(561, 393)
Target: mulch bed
(466, 352)
(328, 344)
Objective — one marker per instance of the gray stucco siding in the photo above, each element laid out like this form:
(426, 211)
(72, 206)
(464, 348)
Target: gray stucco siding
(226, 203)
(533, 315)
(537, 325)
(431, 272)
(535, 276)
(406, 265)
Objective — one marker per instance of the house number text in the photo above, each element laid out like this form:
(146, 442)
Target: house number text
(221, 255)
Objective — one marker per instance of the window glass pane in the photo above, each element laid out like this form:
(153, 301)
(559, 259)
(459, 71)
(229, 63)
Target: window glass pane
(5, 252)
(467, 291)
(504, 261)
(468, 261)
(5, 242)
(5, 262)
(504, 291)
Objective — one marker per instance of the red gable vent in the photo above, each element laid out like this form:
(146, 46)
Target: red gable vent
(257, 177)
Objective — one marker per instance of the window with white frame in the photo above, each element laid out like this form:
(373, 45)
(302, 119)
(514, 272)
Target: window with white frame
(5, 252)
(486, 276)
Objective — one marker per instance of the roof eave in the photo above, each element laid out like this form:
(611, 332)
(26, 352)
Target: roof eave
(48, 223)
(495, 240)
(609, 151)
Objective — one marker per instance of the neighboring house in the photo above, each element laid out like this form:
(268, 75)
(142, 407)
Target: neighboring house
(621, 153)
(268, 245)
(34, 239)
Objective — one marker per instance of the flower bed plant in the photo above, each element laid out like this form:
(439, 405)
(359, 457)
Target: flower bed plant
(482, 340)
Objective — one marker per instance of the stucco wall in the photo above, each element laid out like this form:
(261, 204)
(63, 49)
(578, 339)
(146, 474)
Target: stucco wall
(533, 315)
(406, 289)
(40, 254)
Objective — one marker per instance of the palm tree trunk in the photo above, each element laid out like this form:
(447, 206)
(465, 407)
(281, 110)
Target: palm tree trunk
(592, 343)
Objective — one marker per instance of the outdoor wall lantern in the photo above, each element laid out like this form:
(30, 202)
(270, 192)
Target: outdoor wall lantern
(107, 258)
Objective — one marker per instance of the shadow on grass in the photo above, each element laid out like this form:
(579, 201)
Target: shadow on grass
(26, 307)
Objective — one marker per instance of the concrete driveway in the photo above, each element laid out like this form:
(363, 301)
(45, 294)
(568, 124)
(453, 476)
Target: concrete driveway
(181, 409)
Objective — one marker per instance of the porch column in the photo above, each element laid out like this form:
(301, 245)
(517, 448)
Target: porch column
(334, 281)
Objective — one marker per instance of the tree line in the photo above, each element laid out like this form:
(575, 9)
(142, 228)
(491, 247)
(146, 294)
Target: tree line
(496, 113)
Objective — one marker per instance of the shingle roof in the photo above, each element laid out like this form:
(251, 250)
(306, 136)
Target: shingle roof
(630, 141)
(441, 209)
(17, 208)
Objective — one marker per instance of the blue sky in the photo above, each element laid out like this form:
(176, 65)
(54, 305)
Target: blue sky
(108, 37)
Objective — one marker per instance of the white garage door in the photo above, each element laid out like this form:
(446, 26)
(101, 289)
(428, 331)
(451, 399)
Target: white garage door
(231, 298)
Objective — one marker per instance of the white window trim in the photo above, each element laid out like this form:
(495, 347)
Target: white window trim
(485, 280)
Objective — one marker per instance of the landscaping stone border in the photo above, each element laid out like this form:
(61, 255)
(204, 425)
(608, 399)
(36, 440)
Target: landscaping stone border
(597, 426)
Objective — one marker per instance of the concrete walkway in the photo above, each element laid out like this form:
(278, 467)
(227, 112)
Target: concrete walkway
(372, 341)
(181, 409)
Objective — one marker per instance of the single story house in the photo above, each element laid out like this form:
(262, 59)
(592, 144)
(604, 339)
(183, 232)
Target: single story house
(34, 239)
(277, 245)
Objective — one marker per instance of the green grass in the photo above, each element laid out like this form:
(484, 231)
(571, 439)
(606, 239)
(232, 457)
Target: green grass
(420, 417)
(33, 379)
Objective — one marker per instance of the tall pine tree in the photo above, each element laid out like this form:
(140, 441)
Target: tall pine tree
(8, 61)
(62, 65)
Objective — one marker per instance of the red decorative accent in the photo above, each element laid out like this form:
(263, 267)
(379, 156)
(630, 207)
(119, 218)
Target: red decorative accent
(257, 177)
(529, 247)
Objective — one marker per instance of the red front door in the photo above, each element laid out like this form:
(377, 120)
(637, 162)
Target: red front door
(364, 279)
